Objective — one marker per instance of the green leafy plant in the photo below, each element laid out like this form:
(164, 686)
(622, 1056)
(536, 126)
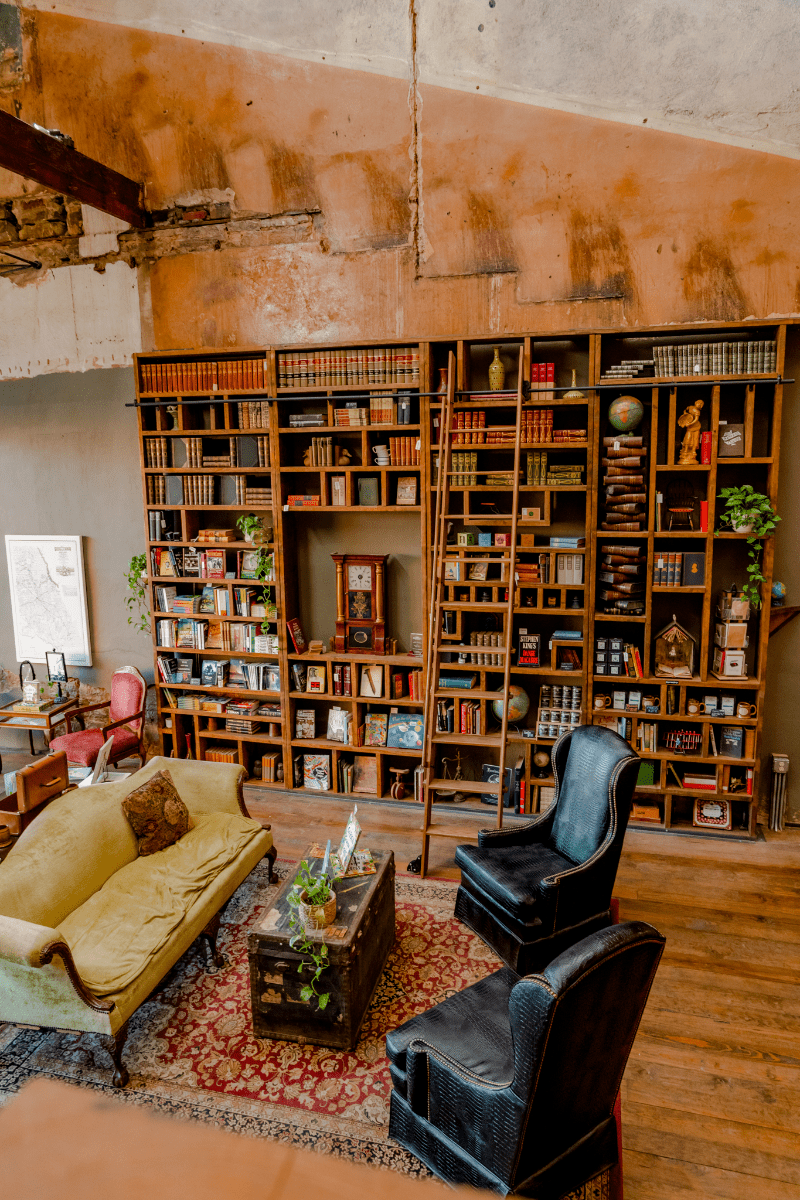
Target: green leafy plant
(251, 526)
(309, 889)
(745, 506)
(136, 599)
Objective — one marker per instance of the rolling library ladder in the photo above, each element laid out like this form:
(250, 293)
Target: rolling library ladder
(506, 559)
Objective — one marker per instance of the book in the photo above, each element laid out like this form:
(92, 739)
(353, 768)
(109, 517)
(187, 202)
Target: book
(317, 772)
(375, 729)
(405, 731)
(317, 678)
(338, 719)
(305, 723)
(365, 774)
(457, 680)
(296, 634)
(731, 741)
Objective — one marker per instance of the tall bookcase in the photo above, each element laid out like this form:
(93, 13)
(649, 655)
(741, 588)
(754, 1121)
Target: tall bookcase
(261, 408)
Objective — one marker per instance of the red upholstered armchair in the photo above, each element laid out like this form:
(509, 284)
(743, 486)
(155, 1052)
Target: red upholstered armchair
(126, 726)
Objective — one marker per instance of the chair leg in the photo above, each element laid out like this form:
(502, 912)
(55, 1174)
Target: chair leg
(115, 1044)
(209, 936)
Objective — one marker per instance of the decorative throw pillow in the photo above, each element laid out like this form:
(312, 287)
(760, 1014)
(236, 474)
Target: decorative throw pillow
(156, 813)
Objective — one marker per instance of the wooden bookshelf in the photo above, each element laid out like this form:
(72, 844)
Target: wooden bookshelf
(273, 401)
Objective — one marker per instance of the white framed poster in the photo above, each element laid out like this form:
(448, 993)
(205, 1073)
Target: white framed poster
(48, 597)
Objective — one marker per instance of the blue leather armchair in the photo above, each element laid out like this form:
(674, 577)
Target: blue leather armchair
(530, 890)
(510, 1085)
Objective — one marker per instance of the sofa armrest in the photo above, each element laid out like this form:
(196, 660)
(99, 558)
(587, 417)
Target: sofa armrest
(35, 946)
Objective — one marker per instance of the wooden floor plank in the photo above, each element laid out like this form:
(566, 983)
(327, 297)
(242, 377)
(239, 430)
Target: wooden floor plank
(652, 1177)
(753, 1150)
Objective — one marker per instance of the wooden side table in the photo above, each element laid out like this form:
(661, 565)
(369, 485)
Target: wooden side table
(45, 722)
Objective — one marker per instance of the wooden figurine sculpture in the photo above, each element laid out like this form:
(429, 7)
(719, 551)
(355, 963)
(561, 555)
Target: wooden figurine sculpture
(690, 421)
(398, 788)
(343, 456)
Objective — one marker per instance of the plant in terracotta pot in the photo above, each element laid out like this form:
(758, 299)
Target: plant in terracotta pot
(313, 902)
(751, 512)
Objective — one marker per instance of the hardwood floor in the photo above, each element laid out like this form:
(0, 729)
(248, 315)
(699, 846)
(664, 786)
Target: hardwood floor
(711, 1096)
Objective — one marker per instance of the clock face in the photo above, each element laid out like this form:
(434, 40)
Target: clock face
(359, 577)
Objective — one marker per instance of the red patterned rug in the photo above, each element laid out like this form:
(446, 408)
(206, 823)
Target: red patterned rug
(191, 1049)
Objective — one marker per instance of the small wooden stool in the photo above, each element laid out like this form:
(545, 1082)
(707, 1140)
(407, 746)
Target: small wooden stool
(398, 788)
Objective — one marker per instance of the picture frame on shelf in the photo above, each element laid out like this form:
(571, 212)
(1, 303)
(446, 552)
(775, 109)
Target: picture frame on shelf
(712, 814)
(407, 489)
(317, 678)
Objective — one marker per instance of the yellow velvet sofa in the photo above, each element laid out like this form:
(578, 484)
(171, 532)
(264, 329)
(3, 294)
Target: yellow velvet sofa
(88, 928)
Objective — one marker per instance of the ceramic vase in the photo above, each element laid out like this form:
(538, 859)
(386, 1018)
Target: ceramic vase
(497, 372)
(442, 381)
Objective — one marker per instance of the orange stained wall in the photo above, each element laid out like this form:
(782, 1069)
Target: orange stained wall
(527, 218)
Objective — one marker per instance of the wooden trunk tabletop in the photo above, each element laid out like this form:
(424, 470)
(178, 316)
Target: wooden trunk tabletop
(354, 895)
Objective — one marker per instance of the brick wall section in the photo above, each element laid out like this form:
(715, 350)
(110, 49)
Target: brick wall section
(43, 215)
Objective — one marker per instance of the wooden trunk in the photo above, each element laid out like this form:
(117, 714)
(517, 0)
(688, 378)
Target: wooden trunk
(358, 944)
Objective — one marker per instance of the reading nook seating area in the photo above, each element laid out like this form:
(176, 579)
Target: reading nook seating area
(399, 481)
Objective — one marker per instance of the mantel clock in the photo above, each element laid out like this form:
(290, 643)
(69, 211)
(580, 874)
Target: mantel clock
(360, 603)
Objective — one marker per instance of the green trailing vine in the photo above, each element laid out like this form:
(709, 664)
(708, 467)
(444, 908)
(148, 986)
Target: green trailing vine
(745, 506)
(316, 890)
(136, 599)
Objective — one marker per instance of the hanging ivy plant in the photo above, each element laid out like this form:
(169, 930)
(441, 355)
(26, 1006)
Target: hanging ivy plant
(136, 599)
(751, 512)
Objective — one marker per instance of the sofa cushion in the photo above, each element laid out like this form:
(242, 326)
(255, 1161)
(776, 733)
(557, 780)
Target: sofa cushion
(114, 934)
(157, 814)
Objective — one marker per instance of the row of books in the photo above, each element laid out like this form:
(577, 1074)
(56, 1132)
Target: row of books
(345, 368)
(253, 414)
(716, 358)
(463, 467)
(462, 716)
(205, 375)
(679, 570)
(564, 475)
(404, 451)
(537, 425)
(543, 378)
(269, 767)
(156, 487)
(208, 453)
(468, 427)
(190, 634)
(178, 561)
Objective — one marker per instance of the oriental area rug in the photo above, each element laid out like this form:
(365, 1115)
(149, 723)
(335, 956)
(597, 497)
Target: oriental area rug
(191, 1052)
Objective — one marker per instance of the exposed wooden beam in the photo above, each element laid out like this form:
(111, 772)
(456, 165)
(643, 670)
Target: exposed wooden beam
(38, 156)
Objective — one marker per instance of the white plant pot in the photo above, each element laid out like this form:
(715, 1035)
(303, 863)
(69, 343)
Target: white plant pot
(746, 526)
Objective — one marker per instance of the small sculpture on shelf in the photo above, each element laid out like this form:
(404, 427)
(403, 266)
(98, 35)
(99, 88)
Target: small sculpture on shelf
(690, 421)
(674, 651)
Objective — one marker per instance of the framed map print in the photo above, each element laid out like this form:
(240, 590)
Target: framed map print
(48, 598)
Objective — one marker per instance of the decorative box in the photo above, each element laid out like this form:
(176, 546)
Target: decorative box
(484, 539)
(502, 539)
(712, 814)
(729, 663)
(466, 538)
(730, 635)
(731, 440)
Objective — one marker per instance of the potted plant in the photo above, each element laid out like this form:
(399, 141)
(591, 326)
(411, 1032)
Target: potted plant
(751, 512)
(252, 528)
(313, 902)
(136, 600)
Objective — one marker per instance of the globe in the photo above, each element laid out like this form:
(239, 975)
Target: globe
(625, 413)
(778, 594)
(518, 704)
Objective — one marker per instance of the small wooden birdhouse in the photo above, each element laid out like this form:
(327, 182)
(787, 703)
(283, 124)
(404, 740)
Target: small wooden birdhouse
(675, 649)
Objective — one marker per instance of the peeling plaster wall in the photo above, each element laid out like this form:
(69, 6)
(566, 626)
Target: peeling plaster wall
(72, 319)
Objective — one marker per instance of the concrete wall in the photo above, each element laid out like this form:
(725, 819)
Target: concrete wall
(69, 463)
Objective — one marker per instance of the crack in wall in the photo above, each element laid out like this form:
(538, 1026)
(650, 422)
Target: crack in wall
(415, 105)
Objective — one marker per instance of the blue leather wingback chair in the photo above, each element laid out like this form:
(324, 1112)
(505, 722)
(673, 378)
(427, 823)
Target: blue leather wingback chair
(532, 889)
(510, 1085)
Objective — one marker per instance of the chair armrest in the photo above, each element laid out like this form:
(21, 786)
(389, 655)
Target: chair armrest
(482, 1115)
(123, 721)
(519, 835)
(72, 713)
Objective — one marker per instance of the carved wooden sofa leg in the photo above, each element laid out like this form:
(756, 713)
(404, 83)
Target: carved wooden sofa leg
(115, 1044)
(209, 936)
(270, 856)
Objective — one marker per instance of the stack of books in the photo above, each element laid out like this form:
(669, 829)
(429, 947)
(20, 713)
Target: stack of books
(625, 495)
(621, 578)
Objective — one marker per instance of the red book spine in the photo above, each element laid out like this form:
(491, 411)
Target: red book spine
(705, 448)
(704, 516)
